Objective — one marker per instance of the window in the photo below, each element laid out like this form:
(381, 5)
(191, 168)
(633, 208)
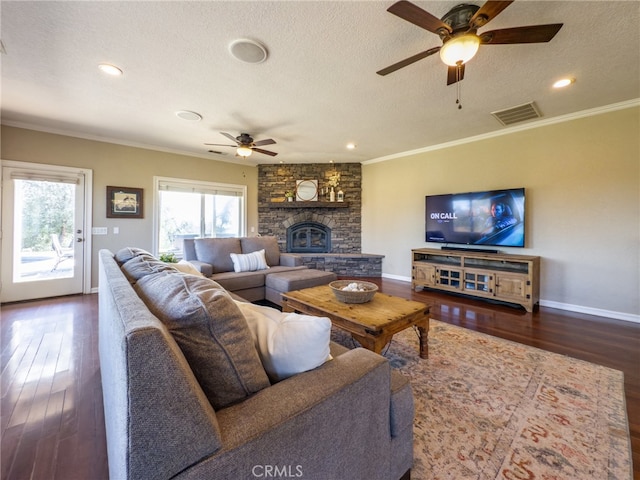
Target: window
(189, 209)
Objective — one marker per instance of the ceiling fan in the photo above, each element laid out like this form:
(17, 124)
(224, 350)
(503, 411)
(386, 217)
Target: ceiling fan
(245, 144)
(458, 31)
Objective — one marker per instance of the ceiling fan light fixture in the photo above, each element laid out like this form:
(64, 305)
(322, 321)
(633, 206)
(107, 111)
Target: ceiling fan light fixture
(460, 49)
(244, 151)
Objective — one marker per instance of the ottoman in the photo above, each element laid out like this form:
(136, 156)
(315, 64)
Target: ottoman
(277, 283)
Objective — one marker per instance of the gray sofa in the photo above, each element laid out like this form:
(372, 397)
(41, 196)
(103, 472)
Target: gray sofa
(211, 256)
(350, 418)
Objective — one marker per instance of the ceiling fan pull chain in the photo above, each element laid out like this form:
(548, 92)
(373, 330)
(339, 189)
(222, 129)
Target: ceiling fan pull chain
(458, 87)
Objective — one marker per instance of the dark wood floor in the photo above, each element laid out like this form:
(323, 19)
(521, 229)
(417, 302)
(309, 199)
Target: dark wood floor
(51, 407)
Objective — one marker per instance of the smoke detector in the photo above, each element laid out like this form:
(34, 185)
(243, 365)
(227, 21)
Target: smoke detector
(248, 51)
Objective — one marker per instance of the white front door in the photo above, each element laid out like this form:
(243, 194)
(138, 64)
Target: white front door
(45, 245)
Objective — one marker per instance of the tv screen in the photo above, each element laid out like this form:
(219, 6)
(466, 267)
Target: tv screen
(493, 218)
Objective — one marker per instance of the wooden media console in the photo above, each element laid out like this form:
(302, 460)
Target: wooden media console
(495, 276)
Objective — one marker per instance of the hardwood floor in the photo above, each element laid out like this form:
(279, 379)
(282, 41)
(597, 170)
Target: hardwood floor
(51, 419)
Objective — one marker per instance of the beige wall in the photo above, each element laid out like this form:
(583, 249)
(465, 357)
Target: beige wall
(583, 198)
(582, 180)
(123, 166)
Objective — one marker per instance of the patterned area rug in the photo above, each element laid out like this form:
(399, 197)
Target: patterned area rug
(488, 408)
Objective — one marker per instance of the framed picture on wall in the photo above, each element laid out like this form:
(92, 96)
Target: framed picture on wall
(124, 202)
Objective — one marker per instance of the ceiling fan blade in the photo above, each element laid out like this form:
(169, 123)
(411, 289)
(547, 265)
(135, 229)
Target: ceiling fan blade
(268, 141)
(220, 145)
(414, 14)
(452, 74)
(532, 34)
(488, 12)
(266, 152)
(229, 136)
(408, 61)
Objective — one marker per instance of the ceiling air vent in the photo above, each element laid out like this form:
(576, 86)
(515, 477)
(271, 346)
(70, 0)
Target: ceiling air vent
(517, 114)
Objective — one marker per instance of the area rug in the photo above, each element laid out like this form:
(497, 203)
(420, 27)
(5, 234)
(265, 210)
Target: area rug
(487, 408)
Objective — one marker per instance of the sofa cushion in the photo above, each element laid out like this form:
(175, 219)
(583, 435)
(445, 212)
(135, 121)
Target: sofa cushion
(233, 282)
(217, 252)
(125, 254)
(210, 330)
(268, 243)
(288, 343)
(249, 262)
(142, 265)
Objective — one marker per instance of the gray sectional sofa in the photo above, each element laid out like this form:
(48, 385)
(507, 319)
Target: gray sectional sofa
(212, 257)
(177, 406)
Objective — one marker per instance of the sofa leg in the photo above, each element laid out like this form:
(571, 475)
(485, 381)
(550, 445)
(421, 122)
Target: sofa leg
(406, 476)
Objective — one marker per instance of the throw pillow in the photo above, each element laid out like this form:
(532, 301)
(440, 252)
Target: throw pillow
(288, 343)
(249, 262)
(210, 330)
(186, 267)
(142, 265)
(127, 253)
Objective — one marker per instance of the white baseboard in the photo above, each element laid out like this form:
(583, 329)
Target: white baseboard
(627, 317)
(396, 277)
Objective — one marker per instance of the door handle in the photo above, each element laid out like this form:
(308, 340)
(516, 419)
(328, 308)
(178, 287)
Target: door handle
(79, 239)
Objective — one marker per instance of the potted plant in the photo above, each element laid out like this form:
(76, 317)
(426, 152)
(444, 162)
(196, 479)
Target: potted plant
(289, 195)
(168, 258)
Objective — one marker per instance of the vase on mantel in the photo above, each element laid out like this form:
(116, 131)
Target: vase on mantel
(332, 195)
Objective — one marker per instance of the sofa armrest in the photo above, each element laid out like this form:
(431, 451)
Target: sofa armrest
(290, 260)
(204, 268)
(317, 422)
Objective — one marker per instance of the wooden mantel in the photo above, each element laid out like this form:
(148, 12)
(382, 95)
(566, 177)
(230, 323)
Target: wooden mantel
(279, 204)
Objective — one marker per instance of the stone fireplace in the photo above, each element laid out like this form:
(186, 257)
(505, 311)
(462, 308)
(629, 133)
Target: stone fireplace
(327, 235)
(342, 219)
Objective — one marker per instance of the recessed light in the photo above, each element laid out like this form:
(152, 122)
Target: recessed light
(563, 82)
(351, 146)
(110, 69)
(189, 116)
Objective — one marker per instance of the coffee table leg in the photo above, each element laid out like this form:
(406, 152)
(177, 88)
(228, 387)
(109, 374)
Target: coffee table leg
(286, 308)
(424, 340)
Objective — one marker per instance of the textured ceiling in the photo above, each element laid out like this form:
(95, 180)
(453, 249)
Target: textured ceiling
(316, 91)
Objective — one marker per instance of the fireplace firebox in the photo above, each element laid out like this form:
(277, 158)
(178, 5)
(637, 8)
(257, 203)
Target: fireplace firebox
(308, 237)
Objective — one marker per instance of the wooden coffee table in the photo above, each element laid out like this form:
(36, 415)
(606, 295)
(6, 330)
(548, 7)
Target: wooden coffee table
(372, 323)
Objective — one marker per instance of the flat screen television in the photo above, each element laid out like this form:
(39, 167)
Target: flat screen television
(493, 218)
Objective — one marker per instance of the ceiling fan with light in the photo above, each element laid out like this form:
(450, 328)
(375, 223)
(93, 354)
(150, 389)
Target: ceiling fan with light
(458, 30)
(245, 145)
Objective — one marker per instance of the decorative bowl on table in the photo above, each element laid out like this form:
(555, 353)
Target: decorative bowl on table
(353, 291)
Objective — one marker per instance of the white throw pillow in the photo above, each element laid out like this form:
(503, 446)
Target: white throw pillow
(186, 267)
(287, 343)
(249, 262)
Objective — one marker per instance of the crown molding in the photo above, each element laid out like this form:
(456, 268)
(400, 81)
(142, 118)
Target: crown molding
(115, 141)
(508, 131)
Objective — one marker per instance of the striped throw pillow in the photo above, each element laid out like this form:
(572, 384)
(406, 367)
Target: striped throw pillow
(249, 262)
